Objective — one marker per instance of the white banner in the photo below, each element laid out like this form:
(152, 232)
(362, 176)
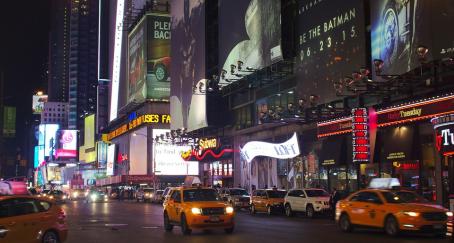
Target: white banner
(285, 150)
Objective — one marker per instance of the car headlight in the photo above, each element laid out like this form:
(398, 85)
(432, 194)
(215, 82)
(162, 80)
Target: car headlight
(449, 214)
(51, 197)
(411, 214)
(105, 196)
(229, 210)
(75, 194)
(94, 197)
(151, 195)
(64, 197)
(197, 211)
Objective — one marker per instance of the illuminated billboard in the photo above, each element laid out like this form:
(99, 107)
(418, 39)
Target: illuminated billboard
(38, 103)
(398, 28)
(48, 136)
(167, 158)
(149, 59)
(67, 144)
(89, 131)
(332, 45)
(38, 156)
(250, 32)
(110, 160)
(9, 121)
(102, 154)
(188, 64)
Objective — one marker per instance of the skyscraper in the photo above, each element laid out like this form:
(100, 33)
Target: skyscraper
(83, 61)
(58, 51)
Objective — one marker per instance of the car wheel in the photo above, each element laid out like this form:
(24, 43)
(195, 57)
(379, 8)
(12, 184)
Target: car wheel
(184, 226)
(167, 226)
(50, 237)
(345, 224)
(253, 211)
(391, 226)
(269, 210)
(288, 210)
(310, 213)
(161, 72)
(229, 230)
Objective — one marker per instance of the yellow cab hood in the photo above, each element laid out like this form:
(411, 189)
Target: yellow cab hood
(276, 200)
(421, 207)
(207, 204)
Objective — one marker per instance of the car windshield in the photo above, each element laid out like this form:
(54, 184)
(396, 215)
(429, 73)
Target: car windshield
(195, 195)
(238, 192)
(317, 193)
(148, 190)
(276, 194)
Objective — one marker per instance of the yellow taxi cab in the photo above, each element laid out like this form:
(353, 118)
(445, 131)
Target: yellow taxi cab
(26, 218)
(268, 200)
(392, 210)
(197, 208)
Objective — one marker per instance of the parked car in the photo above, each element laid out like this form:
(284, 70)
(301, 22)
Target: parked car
(236, 197)
(267, 200)
(309, 201)
(157, 196)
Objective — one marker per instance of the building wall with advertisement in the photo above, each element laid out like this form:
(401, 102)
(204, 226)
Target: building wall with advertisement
(66, 144)
(399, 27)
(187, 109)
(87, 152)
(331, 43)
(38, 103)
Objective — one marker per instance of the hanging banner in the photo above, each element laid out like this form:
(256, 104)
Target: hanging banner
(285, 150)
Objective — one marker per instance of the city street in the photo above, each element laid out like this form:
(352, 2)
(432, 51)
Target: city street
(138, 222)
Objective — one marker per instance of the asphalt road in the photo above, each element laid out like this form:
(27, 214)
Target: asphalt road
(133, 222)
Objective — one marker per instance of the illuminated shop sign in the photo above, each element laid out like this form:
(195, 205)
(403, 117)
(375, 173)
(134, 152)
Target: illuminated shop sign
(285, 150)
(423, 109)
(207, 143)
(334, 127)
(140, 120)
(444, 132)
(360, 135)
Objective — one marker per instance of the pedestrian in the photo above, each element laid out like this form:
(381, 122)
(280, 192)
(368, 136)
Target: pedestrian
(334, 198)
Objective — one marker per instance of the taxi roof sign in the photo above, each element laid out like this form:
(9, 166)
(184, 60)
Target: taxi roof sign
(192, 181)
(384, 183)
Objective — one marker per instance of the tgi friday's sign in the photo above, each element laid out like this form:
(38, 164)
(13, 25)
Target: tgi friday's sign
(286, 150)
(444, 134)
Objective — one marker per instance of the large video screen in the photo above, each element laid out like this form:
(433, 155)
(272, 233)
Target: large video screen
(188, 108)
(167, 158)
(331, 45)
(110, 160)
(47, 137)
(250, 32)
(66, 144)
(38, 103)
(149, 59)
(400, 27)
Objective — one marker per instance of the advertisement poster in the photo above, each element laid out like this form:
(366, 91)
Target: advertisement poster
(48, 135)
(167, 158)
(9, 121)
(249, 31)
(110, 160)
(158, 56)
(188, 65)
(399, 27)
(38, 103)
(67, 144)
(102, 154)
(137, 63)
(332, 45)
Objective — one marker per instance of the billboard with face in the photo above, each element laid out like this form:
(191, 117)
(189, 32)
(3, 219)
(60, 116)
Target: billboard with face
(332, 44)
(187, 109)
(400, 27)
(66, 144)
(38, 103)
(250, 32)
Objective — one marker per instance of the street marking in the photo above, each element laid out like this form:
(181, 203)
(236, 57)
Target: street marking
(114, 225)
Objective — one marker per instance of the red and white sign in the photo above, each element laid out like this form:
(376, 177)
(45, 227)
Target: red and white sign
(360, 135)
(67, 144)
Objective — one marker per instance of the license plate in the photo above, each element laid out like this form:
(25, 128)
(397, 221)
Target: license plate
(438, 226)
(214, 219)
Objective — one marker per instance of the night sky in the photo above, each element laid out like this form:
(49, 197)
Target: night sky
(24, 27)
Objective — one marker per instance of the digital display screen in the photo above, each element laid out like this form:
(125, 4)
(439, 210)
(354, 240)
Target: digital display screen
(250, 32)
(188, 110)
(110, 160)
(67, 144)
(400, 27)
(332, 45)
(38, 103)
(47, 137)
